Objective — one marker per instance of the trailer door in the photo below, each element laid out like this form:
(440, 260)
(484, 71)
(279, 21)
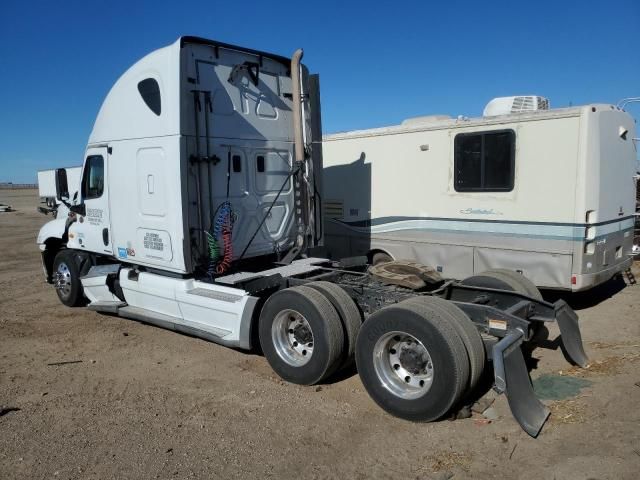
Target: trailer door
(94, 233)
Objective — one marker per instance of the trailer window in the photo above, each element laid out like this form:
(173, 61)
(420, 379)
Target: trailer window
(150, 93)
(93, 177)
(484, 161)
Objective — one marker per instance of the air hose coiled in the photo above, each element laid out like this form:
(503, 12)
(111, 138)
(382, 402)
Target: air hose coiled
(221, 230)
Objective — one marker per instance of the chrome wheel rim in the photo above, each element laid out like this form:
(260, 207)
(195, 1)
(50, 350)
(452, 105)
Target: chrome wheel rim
(292, 337)
(62, 281)
(403, 365)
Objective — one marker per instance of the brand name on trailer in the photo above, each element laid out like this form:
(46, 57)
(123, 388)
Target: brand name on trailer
(480, 211)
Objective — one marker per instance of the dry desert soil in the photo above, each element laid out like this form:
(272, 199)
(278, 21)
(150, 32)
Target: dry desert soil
(141, 402)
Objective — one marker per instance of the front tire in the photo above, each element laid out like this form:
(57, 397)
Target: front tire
(66, 279)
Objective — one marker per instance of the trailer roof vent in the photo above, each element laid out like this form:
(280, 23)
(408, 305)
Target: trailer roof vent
(516, 104)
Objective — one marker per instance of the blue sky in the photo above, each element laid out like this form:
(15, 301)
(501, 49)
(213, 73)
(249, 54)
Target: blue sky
(379, 62)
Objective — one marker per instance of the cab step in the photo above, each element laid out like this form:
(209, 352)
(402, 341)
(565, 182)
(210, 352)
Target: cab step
(106, 306)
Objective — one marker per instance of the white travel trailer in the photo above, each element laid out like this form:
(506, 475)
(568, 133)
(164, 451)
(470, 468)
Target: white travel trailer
(55, 184)
(199, 211)
(545, 192)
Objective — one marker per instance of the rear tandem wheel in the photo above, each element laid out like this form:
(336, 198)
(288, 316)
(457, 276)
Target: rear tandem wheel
(466, 330)
(349, 313)
(412, 361)
(301, 335)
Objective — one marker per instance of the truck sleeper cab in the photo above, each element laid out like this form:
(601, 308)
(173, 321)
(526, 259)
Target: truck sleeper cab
(200, 196)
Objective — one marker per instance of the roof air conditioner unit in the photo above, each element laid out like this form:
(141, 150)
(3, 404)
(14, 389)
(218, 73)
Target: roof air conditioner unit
(517, 104)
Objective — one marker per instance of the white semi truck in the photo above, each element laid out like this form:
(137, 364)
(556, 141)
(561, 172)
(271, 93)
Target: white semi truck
(199, 211)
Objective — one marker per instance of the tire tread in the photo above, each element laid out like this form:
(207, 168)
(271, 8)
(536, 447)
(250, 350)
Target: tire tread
(333, 326)
(467, 331)
(350, 316)
(435, 315)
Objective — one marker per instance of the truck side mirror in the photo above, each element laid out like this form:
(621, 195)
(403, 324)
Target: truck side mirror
(62, 188)
(79, 209)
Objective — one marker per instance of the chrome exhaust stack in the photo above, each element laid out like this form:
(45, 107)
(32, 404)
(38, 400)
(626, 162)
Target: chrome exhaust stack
(301, 196)
(298, 139)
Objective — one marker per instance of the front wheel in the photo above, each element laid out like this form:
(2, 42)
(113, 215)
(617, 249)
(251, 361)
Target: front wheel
(66, 279)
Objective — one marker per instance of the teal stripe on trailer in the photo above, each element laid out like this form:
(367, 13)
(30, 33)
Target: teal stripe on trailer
(549, 231)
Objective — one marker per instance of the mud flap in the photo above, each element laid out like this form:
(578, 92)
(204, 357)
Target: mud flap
(570, 333)
(512, 379)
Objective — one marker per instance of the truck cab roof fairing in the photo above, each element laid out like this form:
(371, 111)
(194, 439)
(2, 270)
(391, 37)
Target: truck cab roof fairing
(124, 114)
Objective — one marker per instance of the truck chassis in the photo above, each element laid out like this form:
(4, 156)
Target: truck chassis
(395, 373)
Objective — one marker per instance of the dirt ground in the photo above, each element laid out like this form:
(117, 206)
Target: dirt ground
(141, 402)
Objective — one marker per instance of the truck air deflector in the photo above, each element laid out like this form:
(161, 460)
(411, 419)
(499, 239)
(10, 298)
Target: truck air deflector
(203, 41)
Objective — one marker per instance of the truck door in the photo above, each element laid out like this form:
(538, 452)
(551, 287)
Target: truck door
(94, 232)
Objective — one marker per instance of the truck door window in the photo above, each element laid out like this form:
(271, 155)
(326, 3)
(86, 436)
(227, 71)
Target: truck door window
(93, 177)
(484, 161)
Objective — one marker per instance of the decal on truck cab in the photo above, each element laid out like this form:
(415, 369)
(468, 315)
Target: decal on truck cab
(153, 241)
(126, 252)
(94, 216)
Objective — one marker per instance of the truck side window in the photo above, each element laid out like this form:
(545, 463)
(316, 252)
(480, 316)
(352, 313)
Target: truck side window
(484, 161)
(150, 93)
(93, 177)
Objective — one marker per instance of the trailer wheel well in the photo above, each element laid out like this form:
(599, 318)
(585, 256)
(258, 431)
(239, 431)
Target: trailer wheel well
(378, 256)
(52, 247)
